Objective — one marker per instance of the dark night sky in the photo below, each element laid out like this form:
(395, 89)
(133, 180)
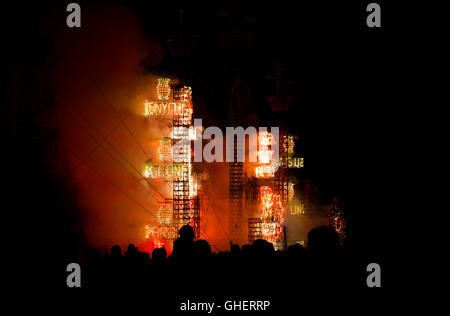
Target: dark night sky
(345, 82)
(339, 73)
(342, 78)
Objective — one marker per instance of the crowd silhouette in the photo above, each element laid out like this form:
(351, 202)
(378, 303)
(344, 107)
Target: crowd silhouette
(194, 268)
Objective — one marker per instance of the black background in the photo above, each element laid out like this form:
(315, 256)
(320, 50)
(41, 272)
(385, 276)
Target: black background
(350, 85)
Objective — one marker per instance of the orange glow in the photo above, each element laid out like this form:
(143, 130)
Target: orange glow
(265, 138)
(291, 144)
(165, 213)
(161, 235)
(185, 93)
(264, 150)
(156, 108)
(272, 214)
(165, 150)
(163, 89)
(264, 171)
(291, 191)
(175, 163)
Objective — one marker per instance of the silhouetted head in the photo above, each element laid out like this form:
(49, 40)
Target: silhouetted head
(235, 250)
(116, 251)
(296, 251)
(187, 232)
(159, 255)
(202, 248)
(262, 248)
(132, 250)
(246, 249)
(323, 240)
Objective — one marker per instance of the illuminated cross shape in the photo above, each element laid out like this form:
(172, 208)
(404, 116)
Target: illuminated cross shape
(280, 102)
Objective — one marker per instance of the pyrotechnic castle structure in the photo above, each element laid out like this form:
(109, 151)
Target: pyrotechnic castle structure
(175, 164)
(263, 187)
